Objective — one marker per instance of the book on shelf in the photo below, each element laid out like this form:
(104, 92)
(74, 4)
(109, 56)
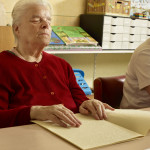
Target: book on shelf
(121, 125)
(73, 35)
(55, 39)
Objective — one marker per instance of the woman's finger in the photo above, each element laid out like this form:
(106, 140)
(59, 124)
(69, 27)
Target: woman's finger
(66, 118)
(108, 106)
(83, 110)
(98, 108)
(56, 120)
(71, 116)
(103, 111)
(91, 108)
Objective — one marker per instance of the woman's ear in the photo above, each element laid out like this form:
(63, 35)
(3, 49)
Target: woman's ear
(16, 29)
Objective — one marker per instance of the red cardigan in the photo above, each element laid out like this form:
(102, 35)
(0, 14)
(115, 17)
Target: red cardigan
(24, 84)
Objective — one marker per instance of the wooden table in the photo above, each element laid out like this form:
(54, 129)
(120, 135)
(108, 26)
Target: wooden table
(34, 137)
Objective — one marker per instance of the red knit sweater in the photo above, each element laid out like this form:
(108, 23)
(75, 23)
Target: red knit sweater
(24, 84)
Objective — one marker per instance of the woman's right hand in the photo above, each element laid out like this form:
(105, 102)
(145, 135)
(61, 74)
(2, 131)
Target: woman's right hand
(56, 113)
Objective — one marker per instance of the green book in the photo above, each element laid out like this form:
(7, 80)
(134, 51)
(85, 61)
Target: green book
(73, 35)
(55, 40)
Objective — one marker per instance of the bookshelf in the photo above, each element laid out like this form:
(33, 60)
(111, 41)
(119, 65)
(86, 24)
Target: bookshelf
(117, 51)
(91, 52)
(82, 50)
(73, 49)
(7, 42)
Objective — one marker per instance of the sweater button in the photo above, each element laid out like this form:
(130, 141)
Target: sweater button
(52, 93)
(45, 77)
(36, 65)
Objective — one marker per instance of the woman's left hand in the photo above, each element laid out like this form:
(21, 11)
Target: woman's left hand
(96, 108)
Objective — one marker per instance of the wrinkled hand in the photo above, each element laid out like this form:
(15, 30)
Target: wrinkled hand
(56, 113)
(95, 107)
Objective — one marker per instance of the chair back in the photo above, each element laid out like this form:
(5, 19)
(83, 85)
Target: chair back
(109, 90)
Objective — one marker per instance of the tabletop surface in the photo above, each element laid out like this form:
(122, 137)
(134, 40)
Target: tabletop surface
(34, 137)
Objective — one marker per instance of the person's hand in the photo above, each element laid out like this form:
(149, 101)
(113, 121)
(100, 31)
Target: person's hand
(56, 113)
(95, 107)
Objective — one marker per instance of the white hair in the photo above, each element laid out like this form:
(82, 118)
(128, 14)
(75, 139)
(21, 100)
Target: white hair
(21, 7)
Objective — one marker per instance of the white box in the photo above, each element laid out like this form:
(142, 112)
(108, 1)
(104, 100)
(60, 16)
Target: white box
(107, 20)
(125, 45)
(127, 22)
(125, 37)
(148, 31)
(132, 30)
(117, 21)
(116, 37)
(148, 36)
(106, 45)
(131, 45)
(106, 36)
(142, 23)
(136, 44)
(138, 22)
(143, 37)
(137, 30)
(144, 30)
(133, 23)
(115, 45)
(116, 29)
(126, 30)
(148, 23)
(132, 38)
(107, 28)
(137, 38)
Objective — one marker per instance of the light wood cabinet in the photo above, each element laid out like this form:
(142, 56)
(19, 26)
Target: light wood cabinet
(6, 38)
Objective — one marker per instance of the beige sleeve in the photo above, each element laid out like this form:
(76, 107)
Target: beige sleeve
(142, 68)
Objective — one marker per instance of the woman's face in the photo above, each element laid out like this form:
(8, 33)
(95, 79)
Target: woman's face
(35, 26)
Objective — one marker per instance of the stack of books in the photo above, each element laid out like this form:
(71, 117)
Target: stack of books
(71, 37)
(138, 15)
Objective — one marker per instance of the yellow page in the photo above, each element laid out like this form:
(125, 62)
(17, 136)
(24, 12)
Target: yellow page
(135, 120)
(92, 133)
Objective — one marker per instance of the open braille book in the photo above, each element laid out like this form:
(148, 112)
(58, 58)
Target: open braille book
(122, 125)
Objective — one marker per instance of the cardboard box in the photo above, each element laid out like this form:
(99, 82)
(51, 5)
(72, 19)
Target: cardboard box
(109, 7)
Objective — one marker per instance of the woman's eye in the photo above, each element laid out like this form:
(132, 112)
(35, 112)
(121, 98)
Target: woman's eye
(49, 22)
(35, 20)
(38, 20)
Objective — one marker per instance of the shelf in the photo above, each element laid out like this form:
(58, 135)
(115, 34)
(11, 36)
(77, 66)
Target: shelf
(91, 52)
(73, 49)
(72, 52)
(83, 50)
(118, 51)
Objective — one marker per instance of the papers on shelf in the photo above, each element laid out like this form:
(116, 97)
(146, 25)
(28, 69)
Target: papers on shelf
(72, 48)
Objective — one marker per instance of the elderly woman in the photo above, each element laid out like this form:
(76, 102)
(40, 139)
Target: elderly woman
(37, 85)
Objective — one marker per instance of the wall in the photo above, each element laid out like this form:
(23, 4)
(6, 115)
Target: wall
(104, 64)
(66, 12)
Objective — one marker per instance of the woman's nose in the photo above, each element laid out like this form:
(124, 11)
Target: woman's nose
(45, 24)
